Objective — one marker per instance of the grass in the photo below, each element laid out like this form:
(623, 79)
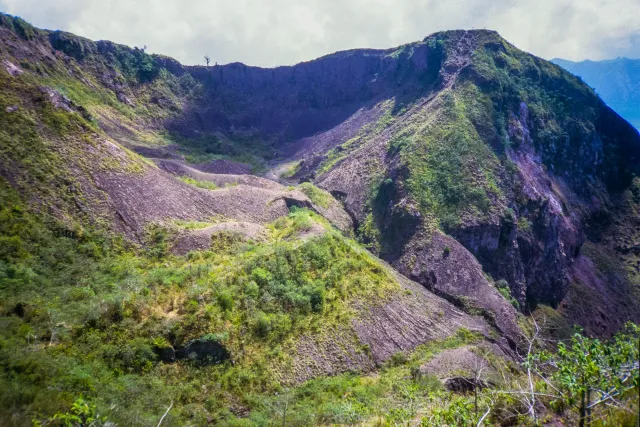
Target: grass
(291, 170)
(84, 315)
(393, 395)
(450, 158)
(318, 196)
(451, 169)
(250, 150)
(207, 185)
(93, 314)
(95, 311)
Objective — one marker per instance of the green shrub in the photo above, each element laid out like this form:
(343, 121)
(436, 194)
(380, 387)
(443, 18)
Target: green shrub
(225, 299)
(23, 28)
(317, 195)
(82, 413)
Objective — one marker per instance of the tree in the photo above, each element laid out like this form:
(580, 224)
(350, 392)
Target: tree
(207, 60)
(593, 374)
(585, 374)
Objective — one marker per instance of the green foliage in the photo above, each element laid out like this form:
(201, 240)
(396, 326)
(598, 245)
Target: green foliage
(458, 412)
(22, 27)
(291, 170)
(397, 144)
(135, 63)
(370, 234)
(92, 316)
(157, 241)
(505, 290)
(72, 45)
(81, 414)
(317, 195)
(524, 225)
(595, 374)
(82, 314)
(451, 169)
(207, 185)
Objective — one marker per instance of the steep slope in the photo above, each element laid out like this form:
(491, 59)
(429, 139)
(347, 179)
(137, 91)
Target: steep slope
(142, 263)
(461, 134)
(514, 158)
(617, 81)
(130, 280)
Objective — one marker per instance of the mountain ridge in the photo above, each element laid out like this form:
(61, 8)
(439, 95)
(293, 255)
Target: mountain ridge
(490, 183)
(614, 80)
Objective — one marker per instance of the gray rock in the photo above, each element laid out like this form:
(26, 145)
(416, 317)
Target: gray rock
(11, 68)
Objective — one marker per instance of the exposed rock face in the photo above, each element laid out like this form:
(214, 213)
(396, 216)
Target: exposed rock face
(465, 384)
(444, 267)
(12, 69)
(299, 101)
(556, 172)
(192, 240)
(558, 162)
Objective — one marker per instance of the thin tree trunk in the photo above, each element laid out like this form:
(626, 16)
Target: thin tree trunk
(588, 407)
(582, 408)
(475, 403)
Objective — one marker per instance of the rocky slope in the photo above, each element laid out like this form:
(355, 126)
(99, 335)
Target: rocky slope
(142, 250)
(511, 156)
(129, 267)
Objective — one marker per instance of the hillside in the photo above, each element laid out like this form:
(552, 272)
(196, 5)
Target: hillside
(344, 236)
(617, 81)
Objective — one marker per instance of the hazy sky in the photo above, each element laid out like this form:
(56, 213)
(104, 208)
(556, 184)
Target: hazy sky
(281, 32)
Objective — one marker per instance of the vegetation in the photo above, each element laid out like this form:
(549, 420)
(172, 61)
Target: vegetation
(85, 320)
(453, 160)
(207, 185)
(317, 195)
(85, 315)
(24, 30)
(291, 170)
(504, 289)
(595, 377)
(248, 149)
(98, 330)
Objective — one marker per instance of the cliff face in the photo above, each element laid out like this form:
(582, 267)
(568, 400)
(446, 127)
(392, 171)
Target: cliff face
(289, 103)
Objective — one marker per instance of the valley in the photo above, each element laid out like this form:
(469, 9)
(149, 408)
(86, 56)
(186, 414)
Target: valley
(342, 241)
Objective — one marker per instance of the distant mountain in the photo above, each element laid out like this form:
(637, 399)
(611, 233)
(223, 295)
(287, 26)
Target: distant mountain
(617, 81)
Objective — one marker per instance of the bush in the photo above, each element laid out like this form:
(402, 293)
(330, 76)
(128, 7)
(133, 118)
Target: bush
(225, 299)
(82, 413)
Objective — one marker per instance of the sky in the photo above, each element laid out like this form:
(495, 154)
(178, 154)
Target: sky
(284, 32)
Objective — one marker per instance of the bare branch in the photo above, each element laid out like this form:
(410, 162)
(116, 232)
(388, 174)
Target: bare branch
(165, 414)
(484, 416)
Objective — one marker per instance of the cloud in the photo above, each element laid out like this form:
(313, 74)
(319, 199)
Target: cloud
(279, 32)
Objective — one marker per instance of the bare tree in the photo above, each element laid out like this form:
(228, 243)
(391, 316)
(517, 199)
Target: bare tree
(207, 60)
